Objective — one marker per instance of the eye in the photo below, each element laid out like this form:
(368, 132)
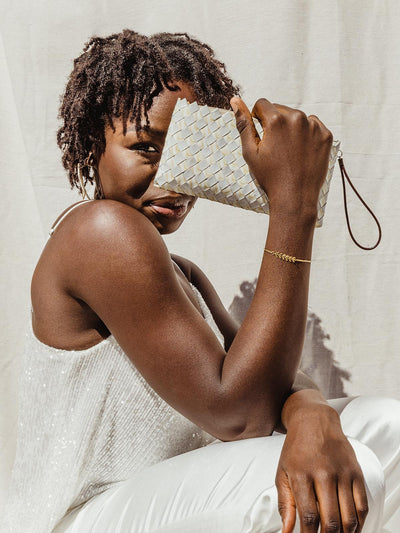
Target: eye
(145, 148)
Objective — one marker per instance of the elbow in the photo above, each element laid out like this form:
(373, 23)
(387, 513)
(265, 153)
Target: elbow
(258, 427)
(257, 421)
(236, 415)
(253, 432)
(250, 429)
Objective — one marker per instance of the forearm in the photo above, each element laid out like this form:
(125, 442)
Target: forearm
(261, 364)
(290, 163)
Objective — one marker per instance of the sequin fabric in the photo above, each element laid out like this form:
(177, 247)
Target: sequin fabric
(88, 419)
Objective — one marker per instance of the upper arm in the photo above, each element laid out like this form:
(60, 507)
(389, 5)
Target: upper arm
(122, 270)
(225, 322)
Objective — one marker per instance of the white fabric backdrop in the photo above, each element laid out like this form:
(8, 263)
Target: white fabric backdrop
(337, 59)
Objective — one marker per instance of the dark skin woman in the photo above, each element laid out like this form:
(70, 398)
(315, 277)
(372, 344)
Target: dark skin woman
(106, 270)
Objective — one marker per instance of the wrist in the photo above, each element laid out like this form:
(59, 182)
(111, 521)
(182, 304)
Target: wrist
(305, 406)
(287, 229)
(293, 214)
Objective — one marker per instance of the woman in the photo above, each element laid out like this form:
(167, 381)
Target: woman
(132, 359)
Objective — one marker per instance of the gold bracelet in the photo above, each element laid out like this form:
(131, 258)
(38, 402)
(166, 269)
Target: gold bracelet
(287, 258)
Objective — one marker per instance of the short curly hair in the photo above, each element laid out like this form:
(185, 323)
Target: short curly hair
(119, 76)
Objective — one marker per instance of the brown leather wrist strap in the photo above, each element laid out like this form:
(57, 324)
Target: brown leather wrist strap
(346, 176)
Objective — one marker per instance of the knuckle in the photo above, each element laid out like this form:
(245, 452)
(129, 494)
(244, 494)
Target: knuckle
(350, 524)
(283, 509)
(260, 102)
(276, 119)
(300, 479)
(326, 476)
(363, 511)
(241, 124)
(310, 518)
(332, 526)
(314, 122)
(298, 117)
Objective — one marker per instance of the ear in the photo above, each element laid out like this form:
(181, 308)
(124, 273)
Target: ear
(95, 156)
(95, 151)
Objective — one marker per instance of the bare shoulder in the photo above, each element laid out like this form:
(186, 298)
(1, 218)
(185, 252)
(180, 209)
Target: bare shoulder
(96, 239)
(101, 217)
(99, 227)
(99, 253)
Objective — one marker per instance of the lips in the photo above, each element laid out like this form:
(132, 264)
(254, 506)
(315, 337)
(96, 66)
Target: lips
(170, 207)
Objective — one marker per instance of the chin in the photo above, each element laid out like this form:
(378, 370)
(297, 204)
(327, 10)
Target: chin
(165, 227)
(168, 228)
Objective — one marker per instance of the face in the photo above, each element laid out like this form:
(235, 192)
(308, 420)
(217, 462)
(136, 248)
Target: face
(129, 164)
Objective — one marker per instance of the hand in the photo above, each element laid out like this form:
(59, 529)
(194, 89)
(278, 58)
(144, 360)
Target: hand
(318, 474)
(290, 162)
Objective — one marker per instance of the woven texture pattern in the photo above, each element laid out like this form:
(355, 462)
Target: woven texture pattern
(202, 157)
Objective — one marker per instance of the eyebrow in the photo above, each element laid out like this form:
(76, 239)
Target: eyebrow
(152, 131)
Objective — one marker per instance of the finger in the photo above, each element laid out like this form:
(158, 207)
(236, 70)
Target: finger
(360, 501)
(347, 506)
(327, 495)
(306, 503)
(286, 503)
(316, 120)
(313, 119)
(266, 113)
(285, 108)
(244, 123)
(297, 113)
(290, 110)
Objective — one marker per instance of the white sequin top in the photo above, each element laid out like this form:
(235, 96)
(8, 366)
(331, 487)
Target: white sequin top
(88, 419)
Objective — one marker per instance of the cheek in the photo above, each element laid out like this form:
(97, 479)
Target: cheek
(123, 171)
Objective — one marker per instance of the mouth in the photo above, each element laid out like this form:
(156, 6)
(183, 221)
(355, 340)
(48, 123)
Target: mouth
(170, 207)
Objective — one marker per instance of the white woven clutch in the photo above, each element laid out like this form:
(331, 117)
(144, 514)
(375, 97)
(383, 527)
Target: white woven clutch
(202, 157)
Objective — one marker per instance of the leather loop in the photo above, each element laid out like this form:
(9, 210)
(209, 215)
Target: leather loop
(345, 176)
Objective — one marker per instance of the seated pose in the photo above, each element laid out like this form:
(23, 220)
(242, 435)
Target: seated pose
(143, 407)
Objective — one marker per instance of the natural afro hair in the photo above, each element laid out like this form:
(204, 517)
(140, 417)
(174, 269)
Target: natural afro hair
(119, 76)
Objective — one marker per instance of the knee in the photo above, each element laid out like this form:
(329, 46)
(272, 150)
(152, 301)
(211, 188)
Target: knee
(374, 413)
(384, 410)
(375, 421)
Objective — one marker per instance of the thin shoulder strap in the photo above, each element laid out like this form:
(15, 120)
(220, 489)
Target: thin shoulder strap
(66, 212)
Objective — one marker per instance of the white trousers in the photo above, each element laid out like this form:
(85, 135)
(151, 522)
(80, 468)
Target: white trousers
(229, 487)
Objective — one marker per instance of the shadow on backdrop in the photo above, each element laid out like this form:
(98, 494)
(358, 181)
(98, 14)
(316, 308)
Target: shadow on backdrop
(318, 361)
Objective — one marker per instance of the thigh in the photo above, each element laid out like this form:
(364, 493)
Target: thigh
(226, 487)
(221, 488)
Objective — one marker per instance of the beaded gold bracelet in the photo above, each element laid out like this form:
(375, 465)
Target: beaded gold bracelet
(287, 258)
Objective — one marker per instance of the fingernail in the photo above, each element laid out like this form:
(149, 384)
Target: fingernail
(235, 107)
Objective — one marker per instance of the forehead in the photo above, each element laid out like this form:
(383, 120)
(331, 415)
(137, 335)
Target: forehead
(160, 112)
(163, 105)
